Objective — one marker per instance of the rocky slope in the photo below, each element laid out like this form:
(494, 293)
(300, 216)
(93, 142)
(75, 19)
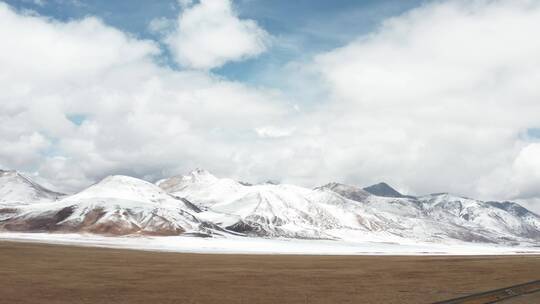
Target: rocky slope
(383, 189)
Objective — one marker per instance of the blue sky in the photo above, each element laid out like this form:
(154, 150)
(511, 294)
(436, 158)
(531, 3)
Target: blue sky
(301, 28)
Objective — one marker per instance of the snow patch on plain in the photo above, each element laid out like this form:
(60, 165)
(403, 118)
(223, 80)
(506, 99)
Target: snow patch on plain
(247, 245)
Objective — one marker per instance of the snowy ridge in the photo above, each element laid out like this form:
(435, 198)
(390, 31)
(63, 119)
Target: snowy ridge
(348, 191)
(201, 204)
(201, 187)
(117, 205)
(17, 189)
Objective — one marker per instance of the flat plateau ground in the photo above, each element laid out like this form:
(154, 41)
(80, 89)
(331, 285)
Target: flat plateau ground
(40, 273)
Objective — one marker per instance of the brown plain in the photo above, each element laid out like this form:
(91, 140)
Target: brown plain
(38, 273)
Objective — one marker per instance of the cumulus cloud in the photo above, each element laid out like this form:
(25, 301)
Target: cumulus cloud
(139, 118)
(209, 34)
(436, 99)
(526, 172)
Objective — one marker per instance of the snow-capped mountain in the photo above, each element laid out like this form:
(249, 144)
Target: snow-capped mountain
(117, 205)
(337, 210)
(17, 189)
(505, 219)
(263, 209)
(201, 187)
(203, 204)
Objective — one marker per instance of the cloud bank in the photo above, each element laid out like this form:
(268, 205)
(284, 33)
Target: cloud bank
(135, 116)
(443, 93)
(437, 99)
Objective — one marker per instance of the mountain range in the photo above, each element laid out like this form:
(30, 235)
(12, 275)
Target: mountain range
(201, 204)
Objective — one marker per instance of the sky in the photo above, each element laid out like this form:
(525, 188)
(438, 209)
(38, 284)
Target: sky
(428, 96)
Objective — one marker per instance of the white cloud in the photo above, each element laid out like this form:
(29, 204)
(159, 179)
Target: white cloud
(209, 34)
(185, 3)
(36, 2)
(139, 118)
(273, 132)
(532, 204)
(22, 151)
(526, 172)
(161, 25)
(71, 50)
(438, 99)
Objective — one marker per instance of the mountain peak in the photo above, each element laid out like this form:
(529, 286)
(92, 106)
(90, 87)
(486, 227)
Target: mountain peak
(383, 189)
(16, 187)
(121, 187)
(200, 175)
(126, 205)
(123, 179)
(179, 182)
(511, 207)
(347, 191)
